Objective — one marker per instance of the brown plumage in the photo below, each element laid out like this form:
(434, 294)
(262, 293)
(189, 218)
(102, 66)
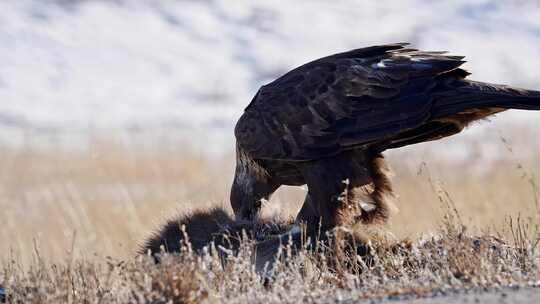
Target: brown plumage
(326, 123)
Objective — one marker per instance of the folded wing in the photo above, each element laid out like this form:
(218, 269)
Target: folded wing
(344, 101)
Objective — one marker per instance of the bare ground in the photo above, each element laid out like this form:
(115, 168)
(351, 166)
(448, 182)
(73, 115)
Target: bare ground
(515, 295)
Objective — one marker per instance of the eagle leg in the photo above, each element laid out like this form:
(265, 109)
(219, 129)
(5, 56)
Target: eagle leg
(345, 189)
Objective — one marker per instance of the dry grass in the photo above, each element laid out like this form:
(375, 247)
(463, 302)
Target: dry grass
(104, 199)
(448, 261)
(65, 211)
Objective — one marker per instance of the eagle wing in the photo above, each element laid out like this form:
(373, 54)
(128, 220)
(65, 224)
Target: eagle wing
(343, 101)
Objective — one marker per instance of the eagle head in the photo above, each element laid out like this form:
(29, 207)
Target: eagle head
(251, 185)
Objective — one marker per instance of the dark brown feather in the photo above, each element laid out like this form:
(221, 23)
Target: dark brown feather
(342, 101)
(363, 97)
(328, 121)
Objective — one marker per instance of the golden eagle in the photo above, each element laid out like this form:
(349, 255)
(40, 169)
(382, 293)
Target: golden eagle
(325, 124)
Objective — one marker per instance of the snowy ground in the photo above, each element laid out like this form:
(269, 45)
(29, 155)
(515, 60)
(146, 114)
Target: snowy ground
(186, 69)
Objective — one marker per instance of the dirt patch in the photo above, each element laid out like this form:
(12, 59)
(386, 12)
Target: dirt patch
(515, 295)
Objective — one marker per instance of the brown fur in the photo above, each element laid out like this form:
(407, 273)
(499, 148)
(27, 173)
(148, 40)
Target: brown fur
(199, 228)
(203, 228)
(215, 226)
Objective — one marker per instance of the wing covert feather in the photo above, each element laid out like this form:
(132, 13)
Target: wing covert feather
(342, 101)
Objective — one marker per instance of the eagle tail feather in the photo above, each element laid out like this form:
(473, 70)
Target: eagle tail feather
(470, 95)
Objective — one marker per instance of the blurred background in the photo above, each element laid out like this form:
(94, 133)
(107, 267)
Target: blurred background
(117, 114)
